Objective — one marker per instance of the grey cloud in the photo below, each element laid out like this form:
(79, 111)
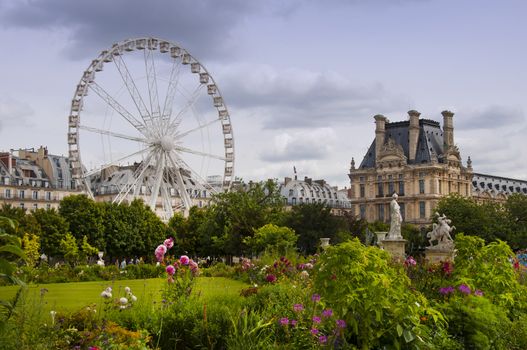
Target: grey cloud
(308, 145)
(203, 27)
(14, 113)
(294, 98)
(491, 117)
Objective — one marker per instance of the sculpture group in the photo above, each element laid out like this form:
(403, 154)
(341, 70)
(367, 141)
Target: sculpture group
(441, 232)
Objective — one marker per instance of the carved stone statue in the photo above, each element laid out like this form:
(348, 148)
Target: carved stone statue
(396, 219)
(441, 233)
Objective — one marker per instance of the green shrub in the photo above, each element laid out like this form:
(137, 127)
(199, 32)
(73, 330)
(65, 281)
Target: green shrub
(374, 298)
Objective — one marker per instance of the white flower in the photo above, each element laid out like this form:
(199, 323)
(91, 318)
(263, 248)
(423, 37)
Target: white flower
(106, 294)
(127, 290)
(134, 298)
(304, 274)
(53, 313)
(123, 301)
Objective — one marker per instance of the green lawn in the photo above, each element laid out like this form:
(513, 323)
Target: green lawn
(73, 296)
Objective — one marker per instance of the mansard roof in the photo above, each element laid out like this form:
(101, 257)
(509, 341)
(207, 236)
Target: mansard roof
(430, 142)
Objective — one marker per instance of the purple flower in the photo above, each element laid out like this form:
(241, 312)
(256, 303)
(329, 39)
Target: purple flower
(314, 331)
(410, 261)
(284, 321)
(184, 260)
(341, 324)
(327, 313)
(315, 298)
(446, 290)
(316, 319)
(270, 278)
(464, 289)
(478, 293)
(160, 252)
(170, 270)
(322, 339)
(293, 323)
(298, 307)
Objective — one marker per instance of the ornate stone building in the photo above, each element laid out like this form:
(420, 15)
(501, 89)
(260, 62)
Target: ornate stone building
(415, 158)
(32, 179)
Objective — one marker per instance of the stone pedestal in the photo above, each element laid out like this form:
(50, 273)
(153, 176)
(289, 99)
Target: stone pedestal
(380, 237)
(395, 247)
(434, 255)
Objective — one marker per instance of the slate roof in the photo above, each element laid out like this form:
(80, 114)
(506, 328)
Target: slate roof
(430, 140)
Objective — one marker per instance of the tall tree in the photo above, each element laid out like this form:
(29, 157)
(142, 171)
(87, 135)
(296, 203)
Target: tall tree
(53, 229)
(85, 218)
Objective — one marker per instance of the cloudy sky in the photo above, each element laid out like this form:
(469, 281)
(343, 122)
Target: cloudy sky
(302, 78)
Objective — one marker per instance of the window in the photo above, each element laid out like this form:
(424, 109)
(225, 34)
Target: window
(380, 211)
(293, 201)
(403, 212)
(390, 188)
(290, 192)
(362, 191)
(48, 196)
(7, 193)
(22, 194)
(362, 209)
(48, 206)
(35, 206)
(401, 185)
(422, 210)
(35, 195)
(421, 186)
(380, 191)
(21, 205)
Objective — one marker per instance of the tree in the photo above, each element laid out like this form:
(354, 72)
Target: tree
(312, 222)
(24, 222)
(186, 232)
(516, 207)
(69, 249)
(85, 218)
(86, 250)
(53, 228)
(31, 246)
(273, 239)
(233, 216)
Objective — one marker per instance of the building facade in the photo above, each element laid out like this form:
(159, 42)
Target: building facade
(33, 179)
(296, 192)
(415, 158)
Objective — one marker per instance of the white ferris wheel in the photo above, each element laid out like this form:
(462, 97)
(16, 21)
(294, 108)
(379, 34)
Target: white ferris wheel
(153, 125)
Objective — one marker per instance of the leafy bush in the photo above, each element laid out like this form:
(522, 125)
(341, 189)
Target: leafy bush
(373, 298)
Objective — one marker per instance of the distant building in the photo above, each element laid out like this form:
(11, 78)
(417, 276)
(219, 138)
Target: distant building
(32, 179)
(420, 162)
(307, 191)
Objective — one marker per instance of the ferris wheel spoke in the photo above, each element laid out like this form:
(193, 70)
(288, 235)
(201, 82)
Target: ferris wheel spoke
(199, 153)
(116, 106)
(132, 88)
(158, 176)
(183, 134)
(187, 202)
(196, 176)
(111, 133)
(152, 83)
(167, 200)
(191, 101)
(137, 178)
(172, 89)
(115, 162)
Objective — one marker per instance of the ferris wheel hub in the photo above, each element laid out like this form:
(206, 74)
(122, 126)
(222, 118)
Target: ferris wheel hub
(167, 143)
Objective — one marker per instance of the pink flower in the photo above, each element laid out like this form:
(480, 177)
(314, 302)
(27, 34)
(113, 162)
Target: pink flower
(315, 298)
(410, 261)
(184, 260)
(284, 321)
(160, 252)
(169, 242)
(478, 293)
(270, 278)
(314, 331)
(464, 289)
(193, 265)
(298, 307)
(294, 322)
(316, 319)
(322, 339)
(170, 270)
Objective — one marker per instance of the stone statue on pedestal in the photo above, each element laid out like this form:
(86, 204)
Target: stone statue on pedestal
(441, 233)
(396, 219)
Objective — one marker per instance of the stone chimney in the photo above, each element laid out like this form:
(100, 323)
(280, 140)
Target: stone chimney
(413, 134)
(448, 129)
(380, 122)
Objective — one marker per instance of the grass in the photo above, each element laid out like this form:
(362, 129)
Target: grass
(73, 296)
